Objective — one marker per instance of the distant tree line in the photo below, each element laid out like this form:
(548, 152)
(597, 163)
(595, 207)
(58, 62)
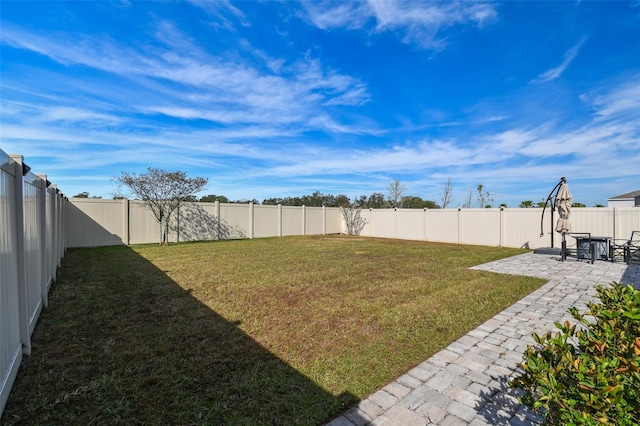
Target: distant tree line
(376, 200)
(223, 199)
(527, 204)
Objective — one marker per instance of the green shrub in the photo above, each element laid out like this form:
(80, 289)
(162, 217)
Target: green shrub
(591, 374)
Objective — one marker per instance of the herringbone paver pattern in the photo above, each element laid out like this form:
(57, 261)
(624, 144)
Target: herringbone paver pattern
(466, 383)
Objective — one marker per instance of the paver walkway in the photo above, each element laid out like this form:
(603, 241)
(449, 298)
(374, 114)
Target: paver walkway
(466, 383)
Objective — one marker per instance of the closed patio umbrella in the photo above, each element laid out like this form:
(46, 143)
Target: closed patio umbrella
(563, 204)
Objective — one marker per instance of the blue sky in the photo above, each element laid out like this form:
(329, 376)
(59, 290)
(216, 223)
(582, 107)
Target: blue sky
(274, 99)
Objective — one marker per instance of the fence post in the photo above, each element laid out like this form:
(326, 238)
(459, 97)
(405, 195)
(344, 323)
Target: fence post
(502, 225)
(324, 220)
(459, 225)
(42, 215)
(304, 220)
(56, 233)
(178, 223)
(424, 224)
(279, 220)
(51, 232)
(125, 221)
(217, 209)
(397, 221)
(25, 336)
(251, 224)
(63, 226)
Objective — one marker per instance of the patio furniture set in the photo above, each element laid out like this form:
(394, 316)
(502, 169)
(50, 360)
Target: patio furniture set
(592, 247)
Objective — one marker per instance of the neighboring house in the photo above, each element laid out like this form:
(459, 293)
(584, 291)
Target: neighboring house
(630, 199)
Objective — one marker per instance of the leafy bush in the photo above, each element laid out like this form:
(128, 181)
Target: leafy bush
(590, 374)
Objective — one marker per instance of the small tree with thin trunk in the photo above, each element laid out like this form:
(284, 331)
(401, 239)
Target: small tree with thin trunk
(162, 192)
(468, 199)
(352, 217)
(396, 190)
(446, 194)
(483, 196)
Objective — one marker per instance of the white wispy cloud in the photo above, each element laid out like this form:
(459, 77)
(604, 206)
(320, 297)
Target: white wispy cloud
(418, 23)
(542, 149)
(202, 86)
(623, 101)
(556, 72)
(328, 14)
(223, 11)
(256, 121)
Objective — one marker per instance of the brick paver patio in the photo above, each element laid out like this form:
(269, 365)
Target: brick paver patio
(466, 383)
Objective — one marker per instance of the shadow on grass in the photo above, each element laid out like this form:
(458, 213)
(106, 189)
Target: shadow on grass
(122, 342)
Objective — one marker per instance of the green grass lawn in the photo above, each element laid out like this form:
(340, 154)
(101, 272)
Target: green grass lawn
(267, 331)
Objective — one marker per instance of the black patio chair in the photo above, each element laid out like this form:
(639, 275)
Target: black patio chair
(628, 249)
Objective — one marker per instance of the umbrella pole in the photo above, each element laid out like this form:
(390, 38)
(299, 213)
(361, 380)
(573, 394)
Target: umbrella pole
(552, 209)
(563, 250)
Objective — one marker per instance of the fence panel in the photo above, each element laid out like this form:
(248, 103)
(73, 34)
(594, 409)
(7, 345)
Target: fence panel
(236, 219)
(411, 224)
(196, 222)
(521, 228)
(292, 220)
(384, 223)
(143, 227)
(31, 212)
(30, 250)
(333, 220)
(10, 339)
(626, 220)
(597, 221)
(442, 225)
(480, 226)
(95, 222)
(315, 221)
(266, 221)
(367, 230)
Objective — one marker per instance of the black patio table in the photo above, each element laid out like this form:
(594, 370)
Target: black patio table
(592, 247)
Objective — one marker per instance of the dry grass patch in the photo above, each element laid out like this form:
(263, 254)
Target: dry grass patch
(279, 330)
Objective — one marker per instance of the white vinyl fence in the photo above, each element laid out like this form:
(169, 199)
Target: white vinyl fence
(497, 227)
(32, 243)
(96, 222)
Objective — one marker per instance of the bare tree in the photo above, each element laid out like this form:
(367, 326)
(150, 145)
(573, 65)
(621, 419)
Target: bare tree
(353, 219)
(483, 196)
(162, 192)
(446, 194)
(396, 190)
(352, 216)
(468, 199)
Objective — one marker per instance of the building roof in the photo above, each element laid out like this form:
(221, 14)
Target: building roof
(628, 195)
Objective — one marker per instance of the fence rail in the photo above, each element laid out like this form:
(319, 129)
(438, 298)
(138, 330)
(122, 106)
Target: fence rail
(32, 243)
